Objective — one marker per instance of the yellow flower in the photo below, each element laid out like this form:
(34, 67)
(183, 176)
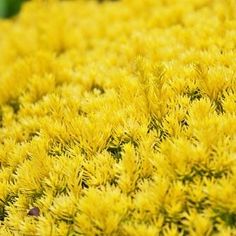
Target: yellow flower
(118, 118)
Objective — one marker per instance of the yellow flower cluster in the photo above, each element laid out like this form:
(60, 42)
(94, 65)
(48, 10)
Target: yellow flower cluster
(118, 118)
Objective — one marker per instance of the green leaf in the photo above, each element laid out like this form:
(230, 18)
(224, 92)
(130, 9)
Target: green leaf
(9, 8)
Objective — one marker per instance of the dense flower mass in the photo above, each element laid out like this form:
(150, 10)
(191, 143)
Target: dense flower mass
(118, 118)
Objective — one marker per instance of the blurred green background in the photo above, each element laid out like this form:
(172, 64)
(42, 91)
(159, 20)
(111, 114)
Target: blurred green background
(9, 8)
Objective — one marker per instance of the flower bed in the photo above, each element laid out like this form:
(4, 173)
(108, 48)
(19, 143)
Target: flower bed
(118, 118)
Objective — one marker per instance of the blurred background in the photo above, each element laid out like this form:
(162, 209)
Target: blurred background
(9, 8)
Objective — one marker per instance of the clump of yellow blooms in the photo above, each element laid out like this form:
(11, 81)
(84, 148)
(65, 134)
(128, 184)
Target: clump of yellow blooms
(118, 118)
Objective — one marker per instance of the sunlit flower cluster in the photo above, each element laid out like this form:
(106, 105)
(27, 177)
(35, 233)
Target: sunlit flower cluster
(118, 118)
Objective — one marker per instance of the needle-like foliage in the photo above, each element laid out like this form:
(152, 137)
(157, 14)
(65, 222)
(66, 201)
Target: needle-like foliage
(118, 118)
